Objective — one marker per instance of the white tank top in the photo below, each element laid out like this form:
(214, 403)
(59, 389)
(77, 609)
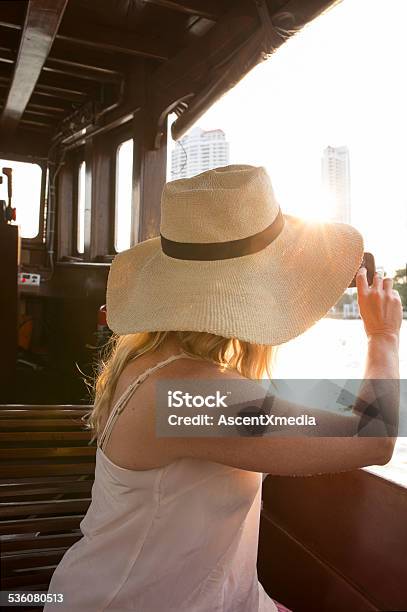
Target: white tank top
(179, 538)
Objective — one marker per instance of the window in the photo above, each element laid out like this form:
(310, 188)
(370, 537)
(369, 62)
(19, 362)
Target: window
(124, 190)
(26, 195)
(340, 110)
(80, 226)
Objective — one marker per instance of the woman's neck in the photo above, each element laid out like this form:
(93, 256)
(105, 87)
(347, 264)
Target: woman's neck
(171, 346)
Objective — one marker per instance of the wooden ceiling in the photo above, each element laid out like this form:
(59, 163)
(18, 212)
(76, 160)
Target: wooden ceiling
(58, 55)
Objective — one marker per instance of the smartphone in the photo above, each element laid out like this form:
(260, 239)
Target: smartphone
(369, 263)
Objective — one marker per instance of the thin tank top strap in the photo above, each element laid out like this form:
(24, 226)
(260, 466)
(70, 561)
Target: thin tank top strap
(120, 405)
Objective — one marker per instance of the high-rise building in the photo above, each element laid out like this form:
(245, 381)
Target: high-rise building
(201, 150)
(336, 182)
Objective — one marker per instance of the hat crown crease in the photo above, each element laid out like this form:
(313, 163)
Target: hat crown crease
(220, 205)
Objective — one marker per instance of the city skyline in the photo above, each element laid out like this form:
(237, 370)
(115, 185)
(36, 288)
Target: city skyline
(316, 92)
(200, 150)
(197, 151)
(335, 175)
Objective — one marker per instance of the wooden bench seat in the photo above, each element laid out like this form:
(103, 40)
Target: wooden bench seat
(46, 476)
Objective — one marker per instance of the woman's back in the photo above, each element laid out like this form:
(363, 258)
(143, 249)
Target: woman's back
(132, 442)
(181, 536)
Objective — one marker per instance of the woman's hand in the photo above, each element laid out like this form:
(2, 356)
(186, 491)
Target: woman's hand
(380, 305)
(382, 313)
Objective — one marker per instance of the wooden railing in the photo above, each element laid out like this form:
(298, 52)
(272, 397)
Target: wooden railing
(46, 476)
(334, 543)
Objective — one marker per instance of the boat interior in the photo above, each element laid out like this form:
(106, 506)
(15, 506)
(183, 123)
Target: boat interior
(79, 78)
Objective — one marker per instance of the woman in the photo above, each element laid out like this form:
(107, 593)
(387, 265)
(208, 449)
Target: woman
(173, 523)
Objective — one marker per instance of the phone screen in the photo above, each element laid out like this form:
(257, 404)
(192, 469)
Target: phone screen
(369, 263)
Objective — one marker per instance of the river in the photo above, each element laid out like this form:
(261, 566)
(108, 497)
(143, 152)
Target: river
(336, 348)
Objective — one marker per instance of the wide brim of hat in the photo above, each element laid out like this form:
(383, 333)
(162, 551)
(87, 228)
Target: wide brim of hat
(268, 297)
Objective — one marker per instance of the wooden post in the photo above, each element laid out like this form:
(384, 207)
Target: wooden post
(64, 210)
(101, 219)
(149, 178)
(9, 241)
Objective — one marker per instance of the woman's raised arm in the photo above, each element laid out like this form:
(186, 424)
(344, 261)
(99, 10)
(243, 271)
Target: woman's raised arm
(365, 437)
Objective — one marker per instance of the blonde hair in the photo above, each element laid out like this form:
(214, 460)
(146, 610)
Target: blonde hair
(249, 360)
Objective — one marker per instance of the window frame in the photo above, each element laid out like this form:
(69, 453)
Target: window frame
(77, 203)
(102, 249)
(115, 193)
(121, 135)
(79, 158)
(39, 240)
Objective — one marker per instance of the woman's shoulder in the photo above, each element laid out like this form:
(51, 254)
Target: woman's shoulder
(200, 368)
(207, 375)
(194, 369)
(188, 367)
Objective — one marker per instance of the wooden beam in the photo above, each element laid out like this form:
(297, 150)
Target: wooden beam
(10, 25)
(53, 97)
(113, 40)
(40, 27)
(78, 88)
(214, 63)
(36, 123)
(81, 69)
(42, 99)
(70, 69)
(4, 80)
(30, 110)
(12, 13)
(102, 37)
(46, 118)
(209, 9)
(191, 70)
(7, 56)
(48, 108)
(85, 58)
(10, 40)
(65, 86)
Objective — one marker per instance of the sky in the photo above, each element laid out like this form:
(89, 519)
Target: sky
(339, 81)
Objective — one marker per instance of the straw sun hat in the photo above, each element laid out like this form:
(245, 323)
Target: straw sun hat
(229, 262)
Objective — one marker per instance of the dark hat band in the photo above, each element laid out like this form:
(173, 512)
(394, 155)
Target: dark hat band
(212, 251)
